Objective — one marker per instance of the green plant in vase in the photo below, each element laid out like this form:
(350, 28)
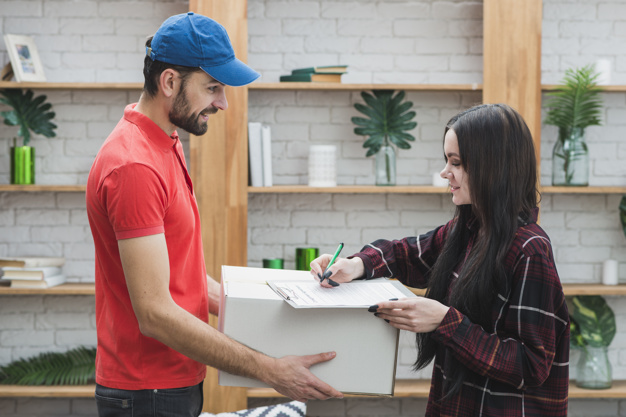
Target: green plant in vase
(592, 329)
(388, 119)
(575, 105)
(33, 116)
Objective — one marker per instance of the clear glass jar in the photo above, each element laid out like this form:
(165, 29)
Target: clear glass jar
(594, 370)
(386, 166)
(570, 159)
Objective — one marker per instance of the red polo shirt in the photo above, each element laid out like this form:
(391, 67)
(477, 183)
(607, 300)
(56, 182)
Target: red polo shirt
(139, 186)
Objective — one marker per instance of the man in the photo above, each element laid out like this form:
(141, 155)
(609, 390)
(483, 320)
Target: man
(152, 292)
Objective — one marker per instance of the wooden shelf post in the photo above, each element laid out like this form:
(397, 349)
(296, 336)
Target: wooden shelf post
(219, 171)
(512, 59)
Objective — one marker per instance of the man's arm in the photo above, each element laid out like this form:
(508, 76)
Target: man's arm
(146, 268)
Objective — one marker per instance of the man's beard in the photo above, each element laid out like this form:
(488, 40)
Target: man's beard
(181, 117)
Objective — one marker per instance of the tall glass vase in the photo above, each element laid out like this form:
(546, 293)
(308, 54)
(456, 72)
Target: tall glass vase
(22, 165)
(386, 166)
(570, 159)
(594, 369)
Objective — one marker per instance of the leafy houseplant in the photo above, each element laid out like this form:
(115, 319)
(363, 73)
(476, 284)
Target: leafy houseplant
(574, 105)
(592, 329)
(74, 367)
(31, 114)
(387, 122)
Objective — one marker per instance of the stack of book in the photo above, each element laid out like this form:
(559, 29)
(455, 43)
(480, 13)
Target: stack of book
(32, 272)
(324, 74)
(260, 154)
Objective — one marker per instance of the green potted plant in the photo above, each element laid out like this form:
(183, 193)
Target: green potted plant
(387, 122)
(575, 105)
(74, 367)
(592, 329)
(31, 114)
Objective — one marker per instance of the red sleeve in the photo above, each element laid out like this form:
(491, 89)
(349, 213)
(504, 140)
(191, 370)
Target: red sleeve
(135, 198)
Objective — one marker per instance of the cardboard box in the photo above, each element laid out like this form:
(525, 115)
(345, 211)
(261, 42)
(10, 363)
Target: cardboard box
(253, 314)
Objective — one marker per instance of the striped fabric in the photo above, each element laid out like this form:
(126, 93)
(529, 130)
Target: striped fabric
(520, 366)
(290, 409)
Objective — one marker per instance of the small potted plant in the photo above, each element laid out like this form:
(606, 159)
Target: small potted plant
(575, 105)
(31, 114)
(388, 120)
(592, 329)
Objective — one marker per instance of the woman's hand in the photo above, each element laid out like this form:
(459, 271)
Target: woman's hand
(343, 270)
(417, 315)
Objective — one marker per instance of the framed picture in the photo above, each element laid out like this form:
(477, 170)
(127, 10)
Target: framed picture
(24, 58)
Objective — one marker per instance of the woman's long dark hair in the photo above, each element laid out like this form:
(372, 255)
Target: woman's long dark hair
(498, 156)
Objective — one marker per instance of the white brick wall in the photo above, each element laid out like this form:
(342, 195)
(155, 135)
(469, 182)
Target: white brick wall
(432, 41)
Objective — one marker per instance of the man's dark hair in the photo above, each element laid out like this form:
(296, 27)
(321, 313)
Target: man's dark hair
(152, 71)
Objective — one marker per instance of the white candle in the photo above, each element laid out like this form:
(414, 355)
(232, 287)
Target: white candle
(603, 68)
(609, 272)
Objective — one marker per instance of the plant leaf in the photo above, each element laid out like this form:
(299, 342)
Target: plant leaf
(30, 114)
(595, 320)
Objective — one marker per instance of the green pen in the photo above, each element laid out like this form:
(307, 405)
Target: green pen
(334, 284)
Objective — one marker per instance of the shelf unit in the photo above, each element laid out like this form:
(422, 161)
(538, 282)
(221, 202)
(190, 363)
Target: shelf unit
(405, 388)
(510, 64)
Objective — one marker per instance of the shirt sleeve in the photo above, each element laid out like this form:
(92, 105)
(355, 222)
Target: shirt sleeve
(136, 201)
(408, 260)
(532, 321)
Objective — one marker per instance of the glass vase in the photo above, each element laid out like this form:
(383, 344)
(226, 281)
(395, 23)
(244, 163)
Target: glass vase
(570, 159)
(386, 166)
(594, 369)
(22, 165)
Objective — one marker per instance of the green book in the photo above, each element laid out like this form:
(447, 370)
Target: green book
(312, 77)
(323, 69)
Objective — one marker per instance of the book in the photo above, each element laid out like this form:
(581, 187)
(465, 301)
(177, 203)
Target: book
(341, 69)
(30, 273)
(46, 282)
(31, 261)
(266, 145)
(255, 152)
(312, 77)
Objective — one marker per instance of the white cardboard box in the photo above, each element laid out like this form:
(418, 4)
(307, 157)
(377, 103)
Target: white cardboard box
(253, 314)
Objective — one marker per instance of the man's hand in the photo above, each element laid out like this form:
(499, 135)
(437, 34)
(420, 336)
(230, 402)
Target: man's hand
(290, 376)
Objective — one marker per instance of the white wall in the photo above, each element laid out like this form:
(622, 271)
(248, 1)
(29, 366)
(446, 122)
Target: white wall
(381, 41)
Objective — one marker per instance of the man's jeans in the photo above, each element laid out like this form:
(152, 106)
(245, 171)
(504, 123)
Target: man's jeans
(174, 402)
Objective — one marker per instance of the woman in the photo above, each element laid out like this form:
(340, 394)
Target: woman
(494, 317)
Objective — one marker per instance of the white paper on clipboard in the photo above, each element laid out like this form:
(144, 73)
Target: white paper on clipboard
(356, 294)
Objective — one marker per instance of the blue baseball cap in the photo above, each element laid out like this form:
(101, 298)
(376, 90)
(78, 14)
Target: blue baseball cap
(193, 40)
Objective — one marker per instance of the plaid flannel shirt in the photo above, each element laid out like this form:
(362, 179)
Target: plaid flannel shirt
(521, 368)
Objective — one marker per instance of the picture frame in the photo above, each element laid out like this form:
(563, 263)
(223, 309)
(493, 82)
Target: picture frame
(24, 58)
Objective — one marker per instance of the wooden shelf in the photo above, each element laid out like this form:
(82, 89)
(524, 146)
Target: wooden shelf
(583, 190)
(419, 388)
(73, 391)
(413, 388)
(358, 87)
(281, 86)
(89, 289)
(340, 189)
(71, 86)
(39, 188)
(607, 88)
(350, 189)
(63, 289)
(414, 189)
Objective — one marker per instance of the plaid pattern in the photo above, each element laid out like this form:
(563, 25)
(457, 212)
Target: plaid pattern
(521, 368)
